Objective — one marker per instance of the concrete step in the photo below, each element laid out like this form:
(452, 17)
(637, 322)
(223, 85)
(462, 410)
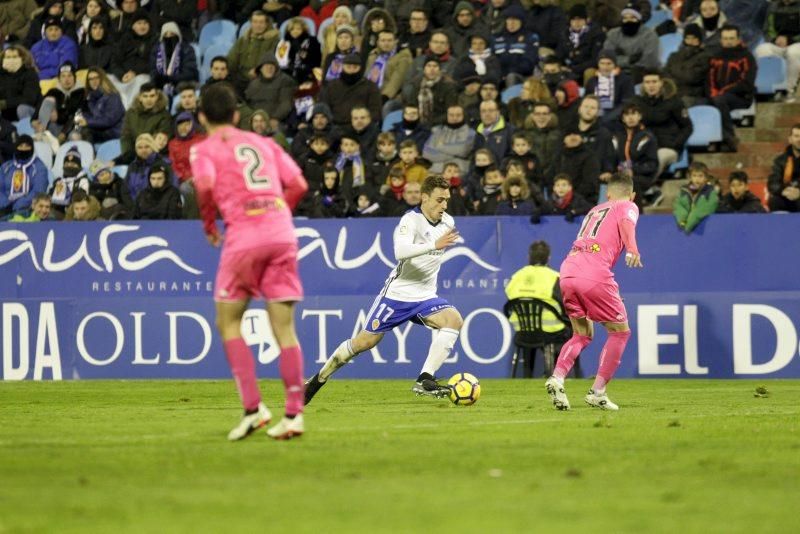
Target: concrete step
(762, 134)
(761, 147)
(731, 160)
(776, 114)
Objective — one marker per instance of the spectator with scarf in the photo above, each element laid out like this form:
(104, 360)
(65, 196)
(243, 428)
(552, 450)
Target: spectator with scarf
(478, 60)
(111, 191)
(387, 66)
(353, 172)
(298, 53)
(333, 64)
(328, 200)
(342, 18)
(73, 178)
(172, 60)
(611, 86)
(21, 178)
(433, 93)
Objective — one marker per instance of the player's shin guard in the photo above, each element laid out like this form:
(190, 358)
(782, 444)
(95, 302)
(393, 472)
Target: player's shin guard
(291, 368)
(243, 367)
(443, 342)
(343, 354)
(610, 358)
(569, 353)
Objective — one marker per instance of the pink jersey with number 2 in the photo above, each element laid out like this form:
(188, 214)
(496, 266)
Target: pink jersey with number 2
(246, 175)
(599, 242)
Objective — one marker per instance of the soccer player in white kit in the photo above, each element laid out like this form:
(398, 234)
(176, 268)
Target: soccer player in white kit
(409, 293)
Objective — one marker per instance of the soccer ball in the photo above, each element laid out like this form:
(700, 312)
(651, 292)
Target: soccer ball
(464, 389)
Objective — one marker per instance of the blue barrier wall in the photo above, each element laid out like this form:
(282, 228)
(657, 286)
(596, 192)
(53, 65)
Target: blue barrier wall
(133, 299)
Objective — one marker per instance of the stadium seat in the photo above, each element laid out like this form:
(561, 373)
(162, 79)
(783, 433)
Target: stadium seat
(602, 195)
(121, 170)
(109, 150)
(391, 119)
(745, 117)
(682, 163)
(24, 127)
(44, 152)
(46, 85)
(321, 30)
(771, 76)
(84, 147)
(243, 28)
(309, 24)
(707, 124)
(659, 16)
(668, 44)
(511, 92)
(217, 31)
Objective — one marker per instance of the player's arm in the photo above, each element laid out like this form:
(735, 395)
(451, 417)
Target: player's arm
(404, 246)
(204, 178)
(627, 229)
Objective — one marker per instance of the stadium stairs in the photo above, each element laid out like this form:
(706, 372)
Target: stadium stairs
(757, 148)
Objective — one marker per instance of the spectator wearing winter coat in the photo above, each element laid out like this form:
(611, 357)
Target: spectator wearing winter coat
(319, 11)
(97, 50)
(478, 60)
(710, 20)
(374, 22)
(366, 203)
(160, 200)
(610, 85)
(782, 33)
(320, 123)
(731, 81)
(697, 200)
(493, 131)
(83, 208)
(515, 198)
(54, 50)
(73, 178)
(433, 93)
(147, 157)
(635, 45)
(21, 178)
(149, 114)
(351, 89)
(584, 41)
(490, 192)
(415, 32)
(333, 62)
(493, 17)
(131, 64)
(784, 181)
(111, 192)
(342, 18)
(93, 10)
(249, 49)
(664, 114)
(636, 150)
(52, 9)
(16, 16)
(181, 12)
(453, 141)
(541, 127)
(596, 136)
(272, 90)
(464, 24)
(410, 127)
(516, 48)
(60, 104)
(387, 66)
(688, 67)
(186, 135)
(547, 20)
(299, 53)
(568, 96)
(739, 199)
(329, 200)
(438, 47)
(578, 162)
(103, 112)
(565, 200)
(172, 60)
(19, 82)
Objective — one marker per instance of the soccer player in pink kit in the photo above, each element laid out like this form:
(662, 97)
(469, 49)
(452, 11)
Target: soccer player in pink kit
(254, 184)
(591, 294)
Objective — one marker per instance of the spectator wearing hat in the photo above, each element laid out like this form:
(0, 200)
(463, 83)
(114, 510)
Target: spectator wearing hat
(172, 61)
(636, 46)
(387, 65)
(688, 67)
(478, 60)
(319, 123)
(584, 41)
(160, 200)
(60, 104)
(261, 123)
(110, 191)
(579, 162)
(516, 48)
(147, 157)
(351, 89)
(438, 47)
(548, 20)
(272, 90)
(186, 135)
(103, 113)
(244, 57)
(342, 17)
(73, 178)
(54, 50)
(345, 44)
(97, 49)
(432, 93)
(21, 178)
(52, 9)
(610, 85)
(464, 24)
(130, 68)
(567, 96)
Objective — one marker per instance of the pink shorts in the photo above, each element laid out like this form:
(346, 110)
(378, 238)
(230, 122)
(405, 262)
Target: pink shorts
(597, 301)
(268, 271)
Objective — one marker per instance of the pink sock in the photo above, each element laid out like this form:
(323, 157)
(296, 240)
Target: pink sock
(291, 367)
(243, 366)
(569, 353)
(610, 358)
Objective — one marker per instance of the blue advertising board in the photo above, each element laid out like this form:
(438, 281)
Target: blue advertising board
(133, 299)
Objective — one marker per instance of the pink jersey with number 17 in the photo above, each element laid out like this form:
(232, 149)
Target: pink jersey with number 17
(599, 242)
(246, 177)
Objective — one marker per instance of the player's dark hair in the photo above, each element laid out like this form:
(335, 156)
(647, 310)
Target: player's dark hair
(432, 181)
(739, 176)
(218, 103)
(621, 181)
(539, 253)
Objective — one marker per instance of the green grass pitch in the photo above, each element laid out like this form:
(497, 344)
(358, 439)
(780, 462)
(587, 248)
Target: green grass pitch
(151, 456)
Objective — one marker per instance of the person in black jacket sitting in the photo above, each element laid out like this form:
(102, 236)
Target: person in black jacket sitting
(564, 200)
(739, 199)
(636, 151)
(160, 199)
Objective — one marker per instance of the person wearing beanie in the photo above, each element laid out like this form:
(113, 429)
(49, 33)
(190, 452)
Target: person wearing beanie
(172, 61)
(547, 19)
(344, 45)
(110, 191)
(273, 90)
(54, 50)
(147, 157)
(584, 41)
(130, 68)
(611, 86)
(248, 51)
(465, 24)
(516, 48)
(579, 162)
(73, 178)
(51, 10)
(351, 89)
(63, 101)
(635, 45)
(320, 122)
(342, 20)
(21, 178)
(432, 93)
(688, 67)
(186, 135)
(160, 200)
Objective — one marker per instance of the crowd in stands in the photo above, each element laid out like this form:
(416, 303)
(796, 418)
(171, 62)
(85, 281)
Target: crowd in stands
(527, 107)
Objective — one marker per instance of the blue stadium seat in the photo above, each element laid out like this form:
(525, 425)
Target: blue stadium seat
(84, 147)
(309, 24)
(243, 28)
(391, 119)
(511, 92)
(24, 127)
(771, 75)
(44, 152)
(707, 124)
(121, 171)
(321, 30)
(745, 117)
(668, 44)
(658, 16)
(217, 31)
(682, 163)
(109, 150)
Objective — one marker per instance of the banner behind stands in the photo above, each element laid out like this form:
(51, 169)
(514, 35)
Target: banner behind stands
(133, 299)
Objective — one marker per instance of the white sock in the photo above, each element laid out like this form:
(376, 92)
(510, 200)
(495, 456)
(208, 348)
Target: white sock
(343, 354)
(443, 342)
